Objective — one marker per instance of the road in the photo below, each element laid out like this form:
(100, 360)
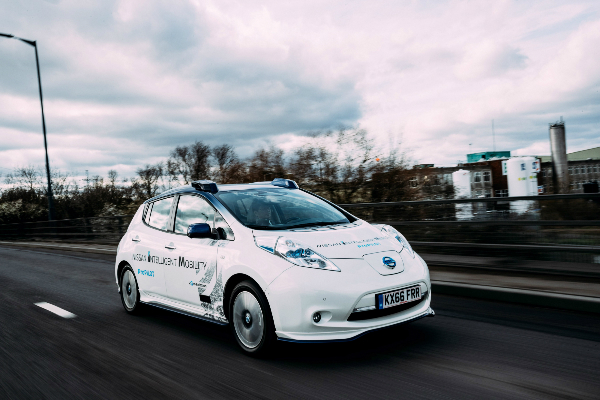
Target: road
(471, 349)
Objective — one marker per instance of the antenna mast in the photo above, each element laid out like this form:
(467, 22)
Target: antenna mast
(493, 136)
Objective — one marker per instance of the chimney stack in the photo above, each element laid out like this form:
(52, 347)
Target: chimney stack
(560, 168)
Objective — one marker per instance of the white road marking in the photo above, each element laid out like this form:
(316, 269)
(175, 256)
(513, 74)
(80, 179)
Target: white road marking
(56, 310)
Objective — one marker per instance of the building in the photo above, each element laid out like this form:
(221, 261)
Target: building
(584, 167)
(487, 155)
(436, 183)
(488, 179)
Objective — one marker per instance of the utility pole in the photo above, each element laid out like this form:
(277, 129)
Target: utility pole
(37, 63)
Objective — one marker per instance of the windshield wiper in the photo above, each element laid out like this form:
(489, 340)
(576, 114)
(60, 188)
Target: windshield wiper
(266, 227)
(316, 224)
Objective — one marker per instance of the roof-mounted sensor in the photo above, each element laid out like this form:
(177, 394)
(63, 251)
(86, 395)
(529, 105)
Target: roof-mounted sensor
(286, 183)
(205, 186)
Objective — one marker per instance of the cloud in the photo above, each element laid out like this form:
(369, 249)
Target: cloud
(489, 60)
(125, 81)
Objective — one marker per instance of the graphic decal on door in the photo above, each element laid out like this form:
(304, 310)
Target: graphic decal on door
(211, 285)
(197, 265)
(216, 298)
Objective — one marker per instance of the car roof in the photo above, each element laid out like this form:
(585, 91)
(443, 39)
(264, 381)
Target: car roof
(222, 188)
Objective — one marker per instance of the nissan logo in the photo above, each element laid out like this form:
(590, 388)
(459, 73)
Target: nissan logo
(389, 262)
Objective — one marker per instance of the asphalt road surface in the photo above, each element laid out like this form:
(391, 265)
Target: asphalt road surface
(471, 349)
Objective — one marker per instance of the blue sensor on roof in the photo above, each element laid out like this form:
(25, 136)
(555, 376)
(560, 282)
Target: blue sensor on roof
(286, 183)
(205, 186)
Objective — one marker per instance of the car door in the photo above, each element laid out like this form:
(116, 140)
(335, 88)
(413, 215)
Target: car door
(195, 275)
(150, 257)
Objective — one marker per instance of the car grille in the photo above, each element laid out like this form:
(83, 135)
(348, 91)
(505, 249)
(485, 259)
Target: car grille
(360, 316)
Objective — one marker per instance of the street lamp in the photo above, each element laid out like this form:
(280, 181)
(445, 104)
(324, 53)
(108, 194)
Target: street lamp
(37, 63)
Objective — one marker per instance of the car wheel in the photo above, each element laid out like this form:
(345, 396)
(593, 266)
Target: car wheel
(130, 295)
(251, 320)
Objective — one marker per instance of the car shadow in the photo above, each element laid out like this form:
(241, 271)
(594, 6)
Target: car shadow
(370, 347)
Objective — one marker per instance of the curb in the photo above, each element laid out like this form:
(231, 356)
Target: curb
(521, 296)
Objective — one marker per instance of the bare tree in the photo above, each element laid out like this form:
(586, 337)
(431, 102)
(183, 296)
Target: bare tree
(189, 163)
(304, 166)
(60, 184)
(112, 176)
(25, 177)
(229, 167)
(146, 185)
(267, 164)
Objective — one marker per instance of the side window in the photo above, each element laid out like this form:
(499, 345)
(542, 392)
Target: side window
(193, 210)
(158, 212)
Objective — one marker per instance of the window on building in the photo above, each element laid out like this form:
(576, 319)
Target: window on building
(577, 170)
(414, 182)
(570, 170)
(436, 180)
(502, 193)
(477, 177)
(488, 192)
(487, 177)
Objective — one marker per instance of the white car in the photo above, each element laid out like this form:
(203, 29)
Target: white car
(271, 260)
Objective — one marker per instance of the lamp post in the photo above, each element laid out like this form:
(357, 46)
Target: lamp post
(37, 63)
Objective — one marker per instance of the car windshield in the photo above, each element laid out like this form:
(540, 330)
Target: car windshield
(275, 208)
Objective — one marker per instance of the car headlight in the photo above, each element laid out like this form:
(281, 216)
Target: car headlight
(295, 252)
(393, 233)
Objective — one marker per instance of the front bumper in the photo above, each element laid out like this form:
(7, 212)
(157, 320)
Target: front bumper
(300, 292)
(349, 335)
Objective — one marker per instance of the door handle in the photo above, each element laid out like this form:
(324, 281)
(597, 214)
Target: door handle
(136, 239)
(170, 246)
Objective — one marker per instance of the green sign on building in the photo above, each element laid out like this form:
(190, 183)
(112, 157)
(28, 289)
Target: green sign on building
(486, 155)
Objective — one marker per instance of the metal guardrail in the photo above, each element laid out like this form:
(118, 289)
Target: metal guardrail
(428, 224)
(102, 229)
(537, 247)
(493, 223)
(477, 200)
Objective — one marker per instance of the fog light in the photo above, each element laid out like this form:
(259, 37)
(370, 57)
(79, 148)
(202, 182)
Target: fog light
(316, 317)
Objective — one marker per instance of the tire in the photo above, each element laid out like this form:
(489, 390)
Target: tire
(130, 294)
(250, 319)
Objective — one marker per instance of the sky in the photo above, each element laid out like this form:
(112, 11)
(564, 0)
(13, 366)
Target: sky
(124, 82)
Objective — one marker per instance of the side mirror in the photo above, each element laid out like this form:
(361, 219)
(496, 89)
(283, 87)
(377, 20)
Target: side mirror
(200, 231)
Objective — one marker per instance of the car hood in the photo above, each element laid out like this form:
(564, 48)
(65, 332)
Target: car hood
(353, 240)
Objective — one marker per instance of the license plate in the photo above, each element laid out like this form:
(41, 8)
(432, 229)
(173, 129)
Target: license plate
(397, 297)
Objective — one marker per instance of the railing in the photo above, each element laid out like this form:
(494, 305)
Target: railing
(97, 229)
(551, 227)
